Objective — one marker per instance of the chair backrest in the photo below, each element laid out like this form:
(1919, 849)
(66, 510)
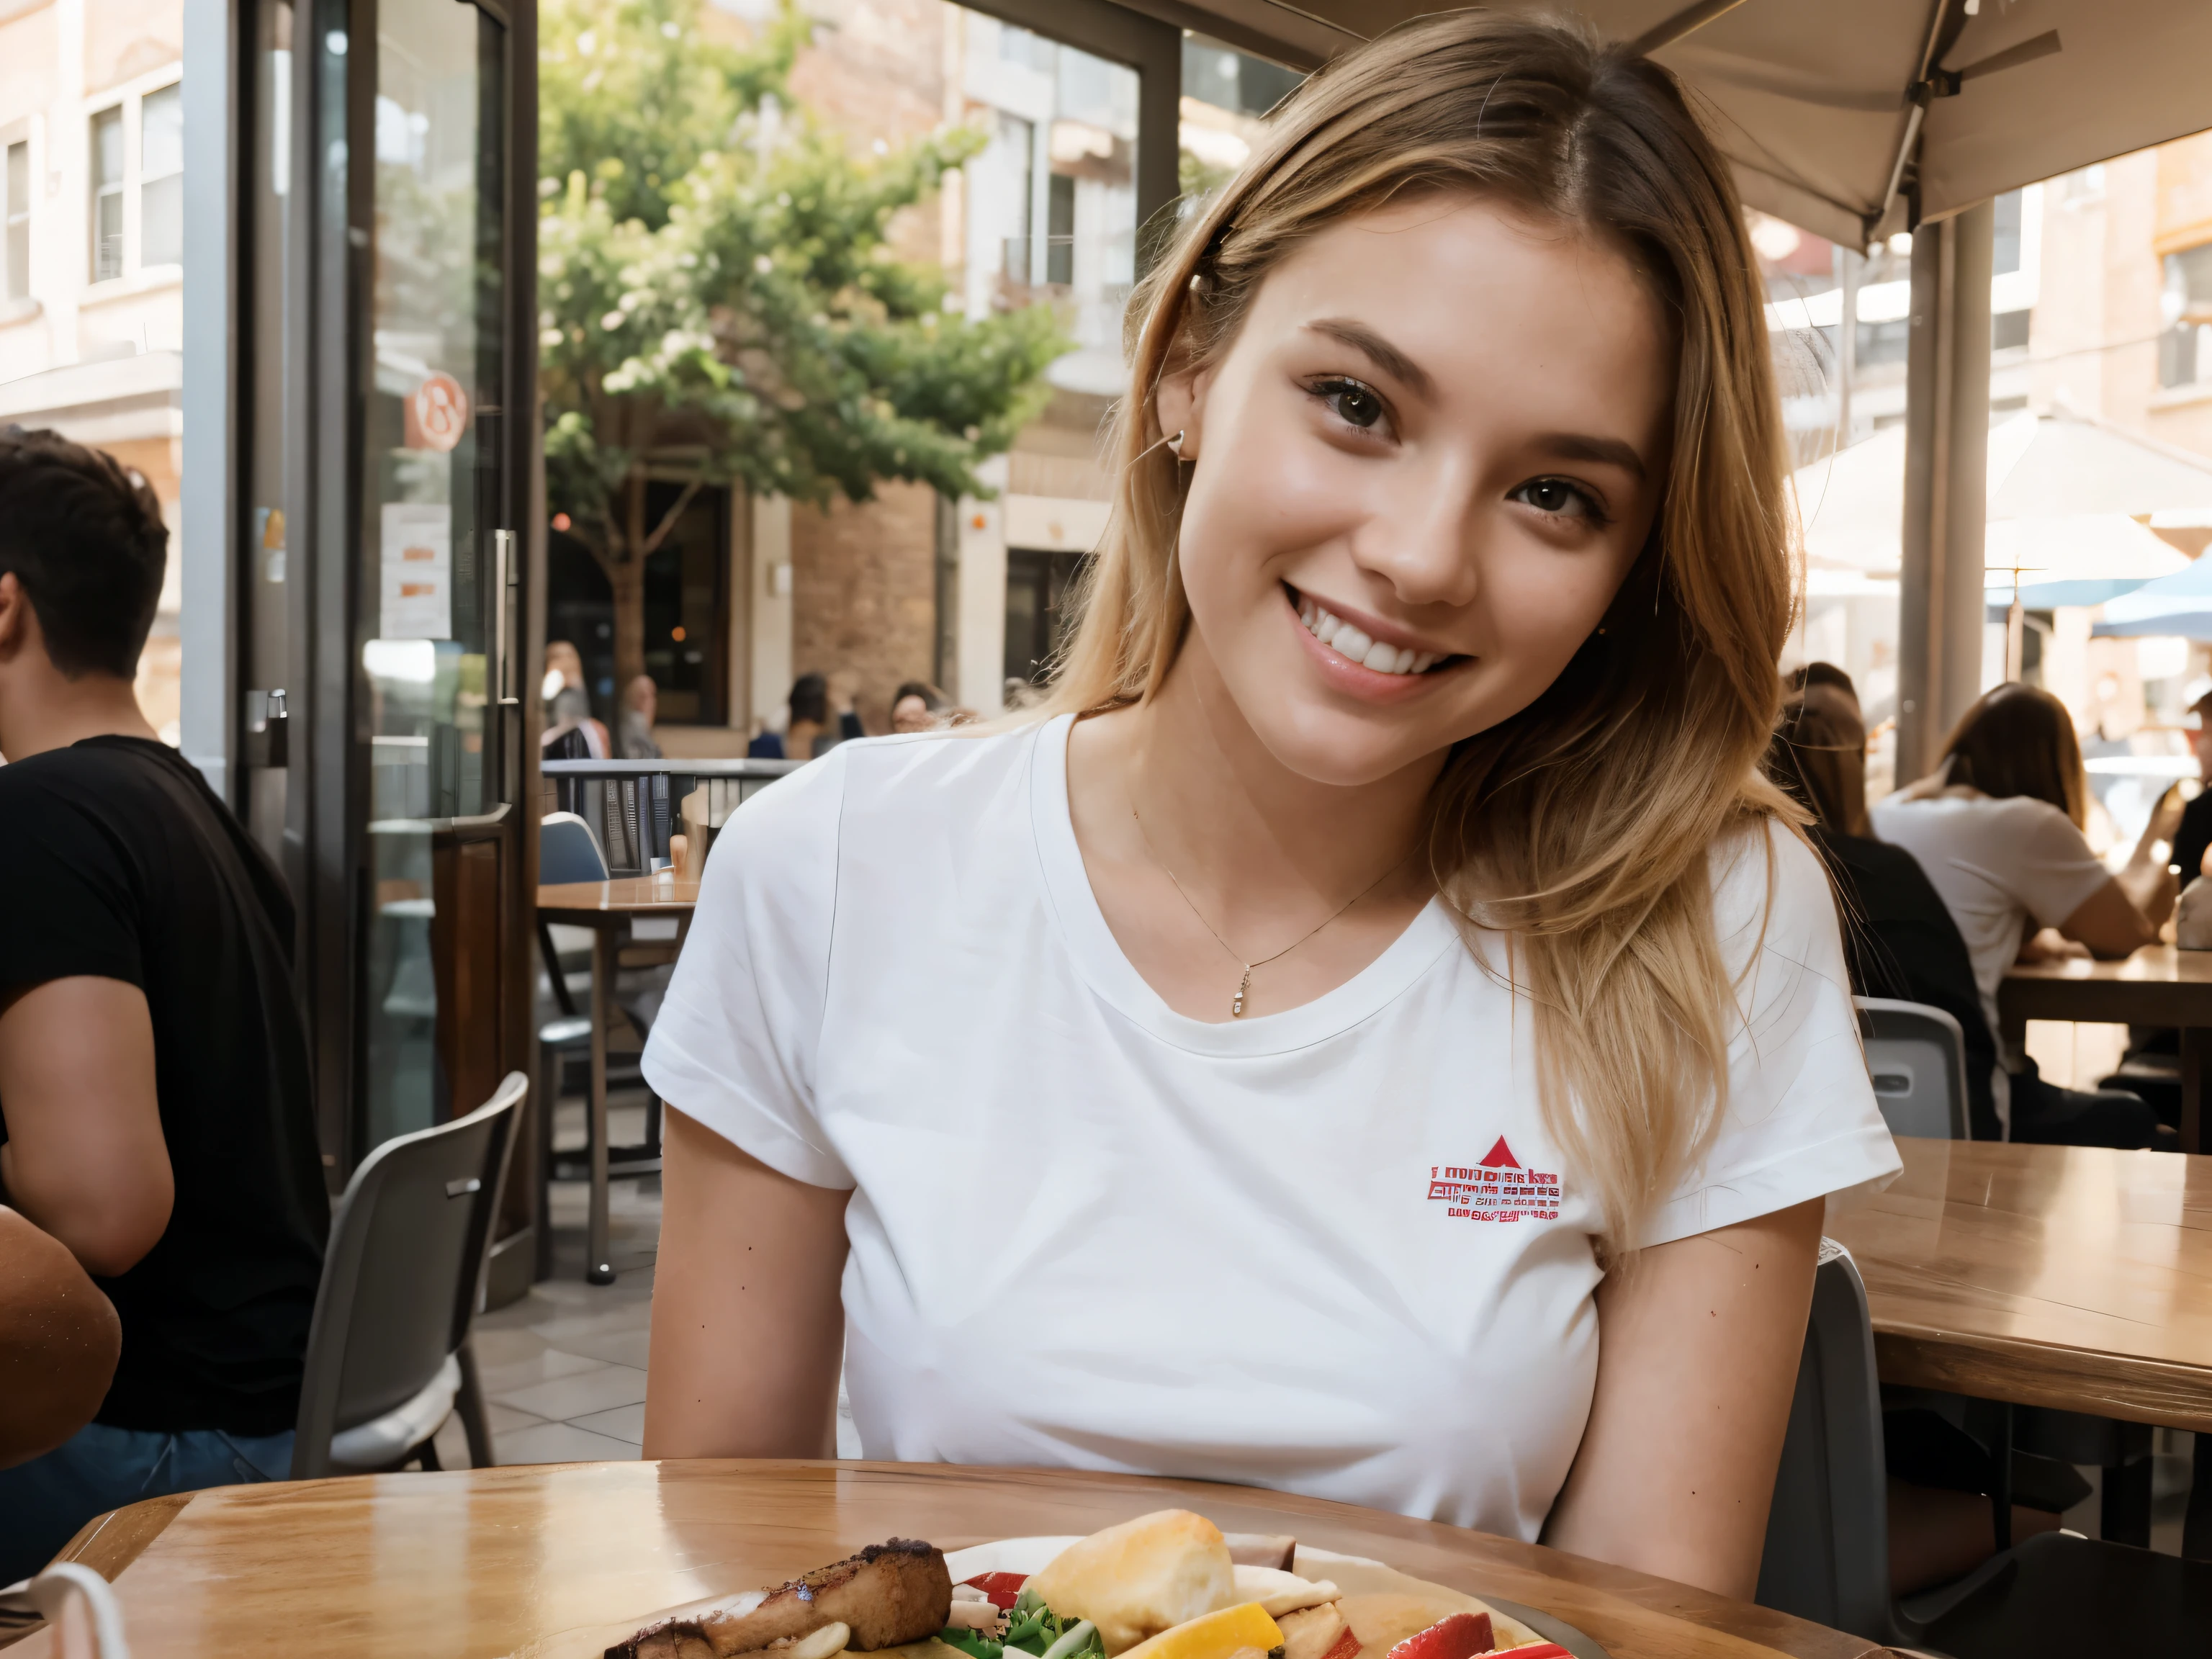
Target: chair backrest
(567, 851)
(402, 1272)
(1916, 1056)
(1828, 1532)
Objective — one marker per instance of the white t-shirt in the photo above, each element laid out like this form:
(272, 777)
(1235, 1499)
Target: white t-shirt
(1995, 863)
(1329, 1250)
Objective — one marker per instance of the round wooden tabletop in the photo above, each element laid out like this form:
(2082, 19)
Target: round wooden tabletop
(479, 1564)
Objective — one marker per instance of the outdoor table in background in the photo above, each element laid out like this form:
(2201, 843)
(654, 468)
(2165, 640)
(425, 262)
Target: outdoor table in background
(485, 1561)
(2159, 985)
(606, 908)
(2077, 1278)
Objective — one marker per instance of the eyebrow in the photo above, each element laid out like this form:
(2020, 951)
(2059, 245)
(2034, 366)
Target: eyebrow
(1569, 445)
(1581, 447)
(1384, 356)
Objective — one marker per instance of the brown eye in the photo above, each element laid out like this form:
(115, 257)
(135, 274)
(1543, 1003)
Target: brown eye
(1354, 404)
(1557, 496)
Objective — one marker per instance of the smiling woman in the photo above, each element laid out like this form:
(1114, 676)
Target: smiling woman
(1375, 1036)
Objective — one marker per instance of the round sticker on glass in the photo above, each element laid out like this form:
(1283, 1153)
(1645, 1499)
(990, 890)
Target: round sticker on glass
(437, 413)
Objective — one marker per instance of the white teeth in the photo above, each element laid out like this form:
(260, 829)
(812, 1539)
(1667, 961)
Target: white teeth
(1343, 638)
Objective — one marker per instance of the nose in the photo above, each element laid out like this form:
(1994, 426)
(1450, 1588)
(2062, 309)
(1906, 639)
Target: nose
(1423, 539)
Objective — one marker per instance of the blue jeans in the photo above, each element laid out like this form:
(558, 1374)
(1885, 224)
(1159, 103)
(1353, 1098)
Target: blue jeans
(45, 1501)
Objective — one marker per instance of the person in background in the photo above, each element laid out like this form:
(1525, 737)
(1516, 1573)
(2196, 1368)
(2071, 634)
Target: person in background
(567, 705)
(1997, 830)
(59, 1339)
(918, 705)
(2192, 835)
(815, 699)
(1899, 939)
(155, 1081)
(634, 726)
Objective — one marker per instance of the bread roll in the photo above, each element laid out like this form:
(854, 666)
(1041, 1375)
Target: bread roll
(1135, 1580)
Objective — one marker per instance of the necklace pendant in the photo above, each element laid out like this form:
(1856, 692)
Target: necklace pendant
(1236, 1006)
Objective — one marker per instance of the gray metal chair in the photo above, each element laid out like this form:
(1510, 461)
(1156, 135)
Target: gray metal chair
(387, 1354)
(1917, 1058)
(1828, 1533)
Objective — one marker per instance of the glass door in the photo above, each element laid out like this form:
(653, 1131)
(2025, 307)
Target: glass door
(434, 560)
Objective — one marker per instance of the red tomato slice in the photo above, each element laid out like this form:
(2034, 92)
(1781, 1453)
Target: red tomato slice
(1001, 1587)
(1460, 1637)
(1541, 1650)
(1346, 1647)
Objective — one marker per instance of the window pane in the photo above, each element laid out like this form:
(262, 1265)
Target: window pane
(107, 146)
(162, 220)
(107, 237)
(161, 132)
(19, 221)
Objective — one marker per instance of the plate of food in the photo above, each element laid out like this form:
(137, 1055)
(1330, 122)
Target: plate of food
(1168, 1585)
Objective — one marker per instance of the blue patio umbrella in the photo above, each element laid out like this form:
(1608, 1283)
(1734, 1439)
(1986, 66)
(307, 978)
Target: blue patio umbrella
(2176, 606)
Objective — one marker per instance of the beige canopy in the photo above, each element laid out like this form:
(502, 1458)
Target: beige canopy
(1819, 102)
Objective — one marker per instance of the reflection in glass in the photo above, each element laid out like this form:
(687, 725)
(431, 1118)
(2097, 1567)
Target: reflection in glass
(430, 501)
(262, 562)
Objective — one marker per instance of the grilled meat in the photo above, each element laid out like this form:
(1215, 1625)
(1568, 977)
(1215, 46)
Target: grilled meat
(887, 1594)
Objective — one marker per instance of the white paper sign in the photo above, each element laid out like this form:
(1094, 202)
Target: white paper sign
(417, 599)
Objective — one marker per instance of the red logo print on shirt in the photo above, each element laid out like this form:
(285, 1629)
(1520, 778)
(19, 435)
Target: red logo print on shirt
(1497, 1189)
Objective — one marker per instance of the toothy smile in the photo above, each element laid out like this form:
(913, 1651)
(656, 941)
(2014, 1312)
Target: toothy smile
(1348, 640)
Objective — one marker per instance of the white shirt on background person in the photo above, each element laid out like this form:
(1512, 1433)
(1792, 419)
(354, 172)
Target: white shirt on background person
(1329, 1250)
(1996, 863)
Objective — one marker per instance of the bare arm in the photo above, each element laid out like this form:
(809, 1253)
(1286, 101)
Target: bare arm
(2108, 922)
(1699, 1345)
(748, 1322)
(59, 1337)
(85, 1158)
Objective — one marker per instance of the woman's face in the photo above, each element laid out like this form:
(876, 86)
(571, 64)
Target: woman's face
(911, 714)
(1423, 469)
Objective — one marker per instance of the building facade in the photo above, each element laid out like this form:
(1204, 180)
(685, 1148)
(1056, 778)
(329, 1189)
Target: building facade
(91, 160)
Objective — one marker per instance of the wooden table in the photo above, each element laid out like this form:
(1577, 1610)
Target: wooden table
(607, 907)
(475, 1564)
(2074, 1277)
(2159, 985)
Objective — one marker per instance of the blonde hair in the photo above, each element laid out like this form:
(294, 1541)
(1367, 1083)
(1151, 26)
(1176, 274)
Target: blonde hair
(1580, 827)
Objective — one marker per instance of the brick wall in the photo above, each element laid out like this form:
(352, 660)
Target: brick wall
(863, 593)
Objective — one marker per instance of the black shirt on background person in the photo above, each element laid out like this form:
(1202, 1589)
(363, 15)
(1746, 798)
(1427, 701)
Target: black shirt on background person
(156, 1110)
(1899, 941)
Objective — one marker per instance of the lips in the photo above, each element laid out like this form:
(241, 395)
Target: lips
(1351, 642)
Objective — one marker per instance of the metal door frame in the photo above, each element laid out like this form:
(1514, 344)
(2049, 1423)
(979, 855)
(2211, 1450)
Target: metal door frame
(328, 273)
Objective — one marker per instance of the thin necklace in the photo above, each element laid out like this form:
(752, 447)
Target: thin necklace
(1244, 985)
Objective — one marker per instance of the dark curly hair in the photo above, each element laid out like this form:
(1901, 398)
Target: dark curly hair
(84, 534)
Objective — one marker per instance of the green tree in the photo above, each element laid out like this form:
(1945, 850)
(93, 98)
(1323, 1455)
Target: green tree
(718, 295)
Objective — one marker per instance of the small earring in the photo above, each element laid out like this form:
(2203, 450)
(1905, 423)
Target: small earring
(1174, 444)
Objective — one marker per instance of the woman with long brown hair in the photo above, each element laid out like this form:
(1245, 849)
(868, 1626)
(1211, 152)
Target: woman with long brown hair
(1372, 1037)
(1997, 827)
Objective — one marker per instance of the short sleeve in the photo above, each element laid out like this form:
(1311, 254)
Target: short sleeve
(734, 1043)
(73, 909)
(1800, 1120)
(2045, 861)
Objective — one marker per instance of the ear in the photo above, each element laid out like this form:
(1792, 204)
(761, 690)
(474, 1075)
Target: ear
(19, 625)
(1180, 402)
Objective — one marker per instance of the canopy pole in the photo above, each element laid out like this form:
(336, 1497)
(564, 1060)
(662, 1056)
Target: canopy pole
(1947, 450)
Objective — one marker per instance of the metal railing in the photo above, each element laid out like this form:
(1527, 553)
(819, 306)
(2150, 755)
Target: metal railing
(634, 806)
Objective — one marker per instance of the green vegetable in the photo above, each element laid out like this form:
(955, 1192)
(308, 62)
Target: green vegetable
(973, 1643)
(1035, 1630)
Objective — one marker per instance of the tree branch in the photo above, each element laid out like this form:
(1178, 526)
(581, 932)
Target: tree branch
(668, 519)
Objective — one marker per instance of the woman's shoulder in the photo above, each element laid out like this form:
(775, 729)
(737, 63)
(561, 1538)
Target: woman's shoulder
(1768, 883)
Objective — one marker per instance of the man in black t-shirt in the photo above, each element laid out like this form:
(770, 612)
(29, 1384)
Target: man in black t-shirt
(155, 1115)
